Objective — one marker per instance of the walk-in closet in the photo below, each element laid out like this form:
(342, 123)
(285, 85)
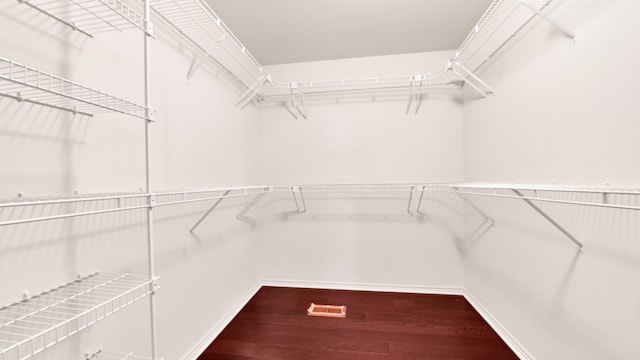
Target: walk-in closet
(336, 179)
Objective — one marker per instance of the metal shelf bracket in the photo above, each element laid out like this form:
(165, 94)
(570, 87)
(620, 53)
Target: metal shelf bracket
(469, 78)
(570, 34)
(241, 216)
(206, 214)
(302, 112)
(549, 219)
(415, 93)
(304, 205)
(253, 91)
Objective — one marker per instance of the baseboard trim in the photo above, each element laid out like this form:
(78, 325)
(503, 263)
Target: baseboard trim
(417, 289)
(206, 340)
(506, 336)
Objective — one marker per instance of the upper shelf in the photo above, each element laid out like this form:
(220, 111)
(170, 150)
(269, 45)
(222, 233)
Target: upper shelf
(501, 22)
(203, 28)
(25, 83)
(90, 17)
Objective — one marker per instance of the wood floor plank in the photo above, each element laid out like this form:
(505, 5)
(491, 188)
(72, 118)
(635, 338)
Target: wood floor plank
(379, 326)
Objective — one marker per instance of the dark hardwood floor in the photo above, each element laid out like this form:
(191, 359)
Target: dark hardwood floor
(389, 326)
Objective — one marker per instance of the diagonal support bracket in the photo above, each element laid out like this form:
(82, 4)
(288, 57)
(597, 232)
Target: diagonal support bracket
(295, 198)
(241, 216)
(469, 78)
(475, 207)
(415, 85)
(550, 20)
(209, 211)
(294, 94)
(549, 219)
(253, 91)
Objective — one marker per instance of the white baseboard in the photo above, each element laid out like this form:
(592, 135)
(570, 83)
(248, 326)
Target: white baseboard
(515, 345)
(417, 289)
(506, 336)
(206, 340)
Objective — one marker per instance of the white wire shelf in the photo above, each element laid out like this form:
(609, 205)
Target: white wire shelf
(32, 325)
(106, 354)
(417, 83)
(90, 17)
(45, 209)
(605, 197)
(28, 84)
(195, 20)
(499, 24)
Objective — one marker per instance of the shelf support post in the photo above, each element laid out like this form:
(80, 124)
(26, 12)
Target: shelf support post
(150, 198)
(570, 34)
(549, 219)
(206, 214)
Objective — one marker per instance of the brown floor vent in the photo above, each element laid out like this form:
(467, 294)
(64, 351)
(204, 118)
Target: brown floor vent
(336, 311)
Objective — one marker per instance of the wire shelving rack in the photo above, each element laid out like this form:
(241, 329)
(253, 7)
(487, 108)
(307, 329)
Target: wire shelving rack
(195, 20)
(203, 28)
(28, 84)
(90, 17)
(29, 326)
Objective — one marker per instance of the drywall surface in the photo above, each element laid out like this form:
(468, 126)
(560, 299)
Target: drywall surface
(197, 140)
(362, 237)
(565, 114)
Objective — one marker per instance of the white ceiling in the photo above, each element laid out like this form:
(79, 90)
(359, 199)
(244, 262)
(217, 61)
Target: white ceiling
(287, 31)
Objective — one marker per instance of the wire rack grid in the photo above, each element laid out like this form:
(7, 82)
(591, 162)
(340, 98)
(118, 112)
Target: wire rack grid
(195, 20)
(30, 326)
(500, 23)
(25, 83)
(90, 16)
(437, 79)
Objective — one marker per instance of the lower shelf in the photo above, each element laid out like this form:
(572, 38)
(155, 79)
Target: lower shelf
(32, 325)
(104, 354)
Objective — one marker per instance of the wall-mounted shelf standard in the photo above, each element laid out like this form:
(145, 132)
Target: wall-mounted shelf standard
(29, 326)
(105, 354)
(28, 84)
(90, 17)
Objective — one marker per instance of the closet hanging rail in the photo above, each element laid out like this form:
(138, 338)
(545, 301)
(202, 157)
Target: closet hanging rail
(29, 326)
(22, 82)
(90, 17)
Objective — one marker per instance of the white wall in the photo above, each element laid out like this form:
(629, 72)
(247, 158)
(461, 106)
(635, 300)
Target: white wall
(565, 114)
(343, 238)
(198, 140)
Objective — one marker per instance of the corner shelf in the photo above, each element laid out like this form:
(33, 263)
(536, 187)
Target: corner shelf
(90, 16)
(32, 325)
(28, 84)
